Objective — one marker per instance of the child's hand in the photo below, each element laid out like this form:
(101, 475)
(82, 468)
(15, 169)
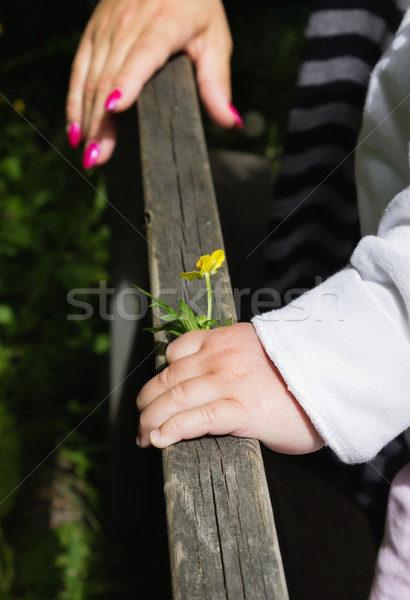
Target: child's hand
(222, 382)
(124, 43)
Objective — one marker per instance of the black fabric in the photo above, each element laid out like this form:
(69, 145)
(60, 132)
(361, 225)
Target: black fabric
(321, 192)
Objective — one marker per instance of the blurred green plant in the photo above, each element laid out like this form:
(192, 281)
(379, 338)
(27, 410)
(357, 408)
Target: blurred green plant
(54, 237)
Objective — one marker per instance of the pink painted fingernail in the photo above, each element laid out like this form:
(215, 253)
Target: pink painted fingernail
(74, 134)
(112, 100)
(91, 153)
(238, 118)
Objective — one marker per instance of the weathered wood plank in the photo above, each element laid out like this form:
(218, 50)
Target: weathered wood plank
(222, 536)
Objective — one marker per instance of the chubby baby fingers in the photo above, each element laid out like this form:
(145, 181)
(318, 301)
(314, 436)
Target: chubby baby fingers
(219, 417)
(183, 396)
(175, 377)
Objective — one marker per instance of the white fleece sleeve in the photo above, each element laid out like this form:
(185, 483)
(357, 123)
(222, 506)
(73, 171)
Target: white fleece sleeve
(344, 347)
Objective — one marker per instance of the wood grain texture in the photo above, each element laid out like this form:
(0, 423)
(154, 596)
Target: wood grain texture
(222, 536)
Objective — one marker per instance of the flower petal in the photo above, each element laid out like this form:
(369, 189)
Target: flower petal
(204, 264)
(217, 259)
(190, 275)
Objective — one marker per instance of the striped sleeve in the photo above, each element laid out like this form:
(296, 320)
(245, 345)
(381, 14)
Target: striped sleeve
(314, 222)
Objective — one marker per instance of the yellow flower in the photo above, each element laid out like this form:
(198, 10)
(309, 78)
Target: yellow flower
(206, 264)
(210, 264)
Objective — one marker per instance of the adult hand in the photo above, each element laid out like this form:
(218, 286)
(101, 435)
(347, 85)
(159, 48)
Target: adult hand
(124, 43)
(222, 382)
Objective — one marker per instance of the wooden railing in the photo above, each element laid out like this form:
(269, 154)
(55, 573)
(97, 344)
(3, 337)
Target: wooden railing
(222, 537)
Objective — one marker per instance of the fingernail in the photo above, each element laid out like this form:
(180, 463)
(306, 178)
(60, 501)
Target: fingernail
(138, 440)
(112, 100)
(74, 134)
(154, 435)
(238, 118)
(91, 154)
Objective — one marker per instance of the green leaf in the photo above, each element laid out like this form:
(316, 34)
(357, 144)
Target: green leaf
(169, 317)
(157, 302)
(187, 317)
(164, 306)
(209, 324)
(176, 328)
(11, 166)
(101, 343)
(201, 321)
(6, 314)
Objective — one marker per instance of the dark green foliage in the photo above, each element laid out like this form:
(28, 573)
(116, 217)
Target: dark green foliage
(53, 237)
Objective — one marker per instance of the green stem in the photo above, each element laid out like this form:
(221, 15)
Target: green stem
(209, 295)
